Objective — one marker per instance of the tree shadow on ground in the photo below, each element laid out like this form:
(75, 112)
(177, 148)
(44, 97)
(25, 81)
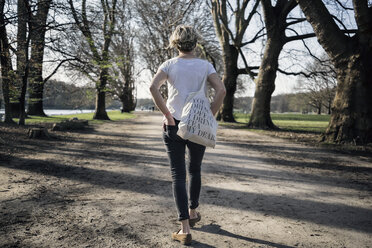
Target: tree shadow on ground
(216, 229)
(312, 138)
(287, 206)
(323, 213)
(276, 153)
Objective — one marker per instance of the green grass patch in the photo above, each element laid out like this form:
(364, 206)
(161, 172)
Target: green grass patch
(294, 122)
(113, 115)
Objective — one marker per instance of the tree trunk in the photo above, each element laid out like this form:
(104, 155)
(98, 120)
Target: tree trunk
(22, 100)
(35, 101)
(6, 65)
(231, 43)
(36, 82)
(100, 110)
(14, 108)
(127, 99)
(351, 119)
(22, 57)
(126, 106)
(265, 84)
(229, 79)
(329, 109)
(5, 86)
(275, 18)
(14, 102)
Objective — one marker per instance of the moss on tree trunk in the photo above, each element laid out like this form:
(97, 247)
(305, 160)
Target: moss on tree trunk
(351, 119)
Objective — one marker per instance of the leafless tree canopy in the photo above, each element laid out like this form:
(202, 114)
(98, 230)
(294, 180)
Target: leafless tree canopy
(319, 87)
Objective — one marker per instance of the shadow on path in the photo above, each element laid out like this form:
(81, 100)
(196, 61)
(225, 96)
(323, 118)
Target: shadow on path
(322, 213)
(216, 229)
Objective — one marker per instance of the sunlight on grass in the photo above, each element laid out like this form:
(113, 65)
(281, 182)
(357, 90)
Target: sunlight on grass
(294, 122)
(113, 115)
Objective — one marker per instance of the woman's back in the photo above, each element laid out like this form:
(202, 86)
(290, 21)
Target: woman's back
(184, 76)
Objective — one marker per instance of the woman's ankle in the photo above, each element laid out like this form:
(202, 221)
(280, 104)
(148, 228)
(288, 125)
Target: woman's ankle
(193, 213)
(185, 227)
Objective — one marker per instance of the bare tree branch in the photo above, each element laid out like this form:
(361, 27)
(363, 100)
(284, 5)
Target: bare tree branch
(339, 21)
(307, 75)
(84, 28)
(297, 20)
(343, 6)
(245, 22)
(300, 37)
(256, 37)
(225, 24)
(289, 6)
(247, 69)
(56, 69)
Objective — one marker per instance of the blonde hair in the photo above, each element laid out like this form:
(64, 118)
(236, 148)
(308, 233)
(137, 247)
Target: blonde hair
(184, 38)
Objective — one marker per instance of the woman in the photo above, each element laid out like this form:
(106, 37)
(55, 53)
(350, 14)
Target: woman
(184, 74)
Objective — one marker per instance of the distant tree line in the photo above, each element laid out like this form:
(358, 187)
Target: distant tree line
(61, 95)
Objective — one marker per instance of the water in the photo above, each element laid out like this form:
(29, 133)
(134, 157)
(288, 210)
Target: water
(62, 111)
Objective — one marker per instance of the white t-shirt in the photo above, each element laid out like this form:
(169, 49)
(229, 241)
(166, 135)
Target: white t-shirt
(184, 76)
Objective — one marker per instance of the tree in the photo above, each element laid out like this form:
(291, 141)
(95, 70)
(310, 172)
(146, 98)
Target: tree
(232, 44)
(18, 77)
(319, 86)
(351, 119)
(30, 18)
(6, 63)
(61, 95)
(122, 80)
(23, 41)
(209, 46)
(100, 57)
(36, 82)
(276, 24)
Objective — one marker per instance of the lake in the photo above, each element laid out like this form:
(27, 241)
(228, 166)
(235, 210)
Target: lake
(61, 111)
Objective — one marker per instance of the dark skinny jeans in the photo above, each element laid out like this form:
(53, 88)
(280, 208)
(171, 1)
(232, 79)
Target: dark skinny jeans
(176, 149)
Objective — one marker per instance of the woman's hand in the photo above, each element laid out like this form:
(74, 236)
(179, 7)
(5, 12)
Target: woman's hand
(169, 120)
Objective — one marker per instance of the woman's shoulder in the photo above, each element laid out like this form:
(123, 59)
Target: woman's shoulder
(169, 62)
(177, 60)
(166, 64)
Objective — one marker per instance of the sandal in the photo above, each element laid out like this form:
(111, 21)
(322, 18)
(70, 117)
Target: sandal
(184, 238)
(193, 221)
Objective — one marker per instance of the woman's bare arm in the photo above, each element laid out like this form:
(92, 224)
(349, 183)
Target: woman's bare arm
(157, 81)
(220, 92)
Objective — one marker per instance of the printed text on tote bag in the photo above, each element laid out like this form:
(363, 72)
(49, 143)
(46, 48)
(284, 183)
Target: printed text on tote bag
(198, 118)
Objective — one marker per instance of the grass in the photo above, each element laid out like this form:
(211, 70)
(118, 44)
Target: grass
(305, 128)
(294, 122)
(113, 115)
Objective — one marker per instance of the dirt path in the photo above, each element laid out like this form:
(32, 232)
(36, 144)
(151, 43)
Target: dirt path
(110, 187)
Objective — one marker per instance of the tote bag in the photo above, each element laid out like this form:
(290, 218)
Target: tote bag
(197, 122)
